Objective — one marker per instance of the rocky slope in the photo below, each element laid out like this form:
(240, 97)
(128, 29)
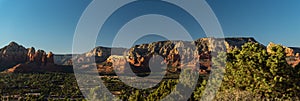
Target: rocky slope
(63, 59)
(15, 57)
(174, 54)
(292, 53)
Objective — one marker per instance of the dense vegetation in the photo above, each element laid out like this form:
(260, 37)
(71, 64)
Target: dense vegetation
(38, 86)
(251, 73)
(262, 74)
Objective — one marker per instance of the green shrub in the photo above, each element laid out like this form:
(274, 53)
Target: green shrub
(255, 70)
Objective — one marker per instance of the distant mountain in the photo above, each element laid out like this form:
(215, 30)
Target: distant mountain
(16, 58)
(63, 59)
(14, 54)
(173, 53)
(238, 42)
(25, 59)
(295, 49)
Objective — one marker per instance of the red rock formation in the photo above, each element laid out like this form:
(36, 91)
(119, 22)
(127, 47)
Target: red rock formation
(14, 52)
(289, 51)
(50, 58)
(44, 59)
(38, 56)
(14, 55)
(176, 54)
(30, 54)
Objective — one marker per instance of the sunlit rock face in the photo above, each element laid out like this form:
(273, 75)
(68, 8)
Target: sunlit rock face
(14, 54)
(175, 54)
(30, 54)
(50, 58)
(292, 53)
(289, 51)
(172, 54)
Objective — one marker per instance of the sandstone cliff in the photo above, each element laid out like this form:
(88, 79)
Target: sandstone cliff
(292, 53)
(14, 54)
(175, 54)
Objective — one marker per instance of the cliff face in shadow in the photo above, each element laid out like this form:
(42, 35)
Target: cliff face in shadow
(171, 55)
(174, 54)
(16, 58)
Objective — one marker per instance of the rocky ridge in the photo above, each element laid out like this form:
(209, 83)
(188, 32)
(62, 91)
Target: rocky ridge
(175, 55)
(292, 53)
(25, 59)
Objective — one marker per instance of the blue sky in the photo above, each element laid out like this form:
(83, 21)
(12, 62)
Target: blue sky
(50, 24)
